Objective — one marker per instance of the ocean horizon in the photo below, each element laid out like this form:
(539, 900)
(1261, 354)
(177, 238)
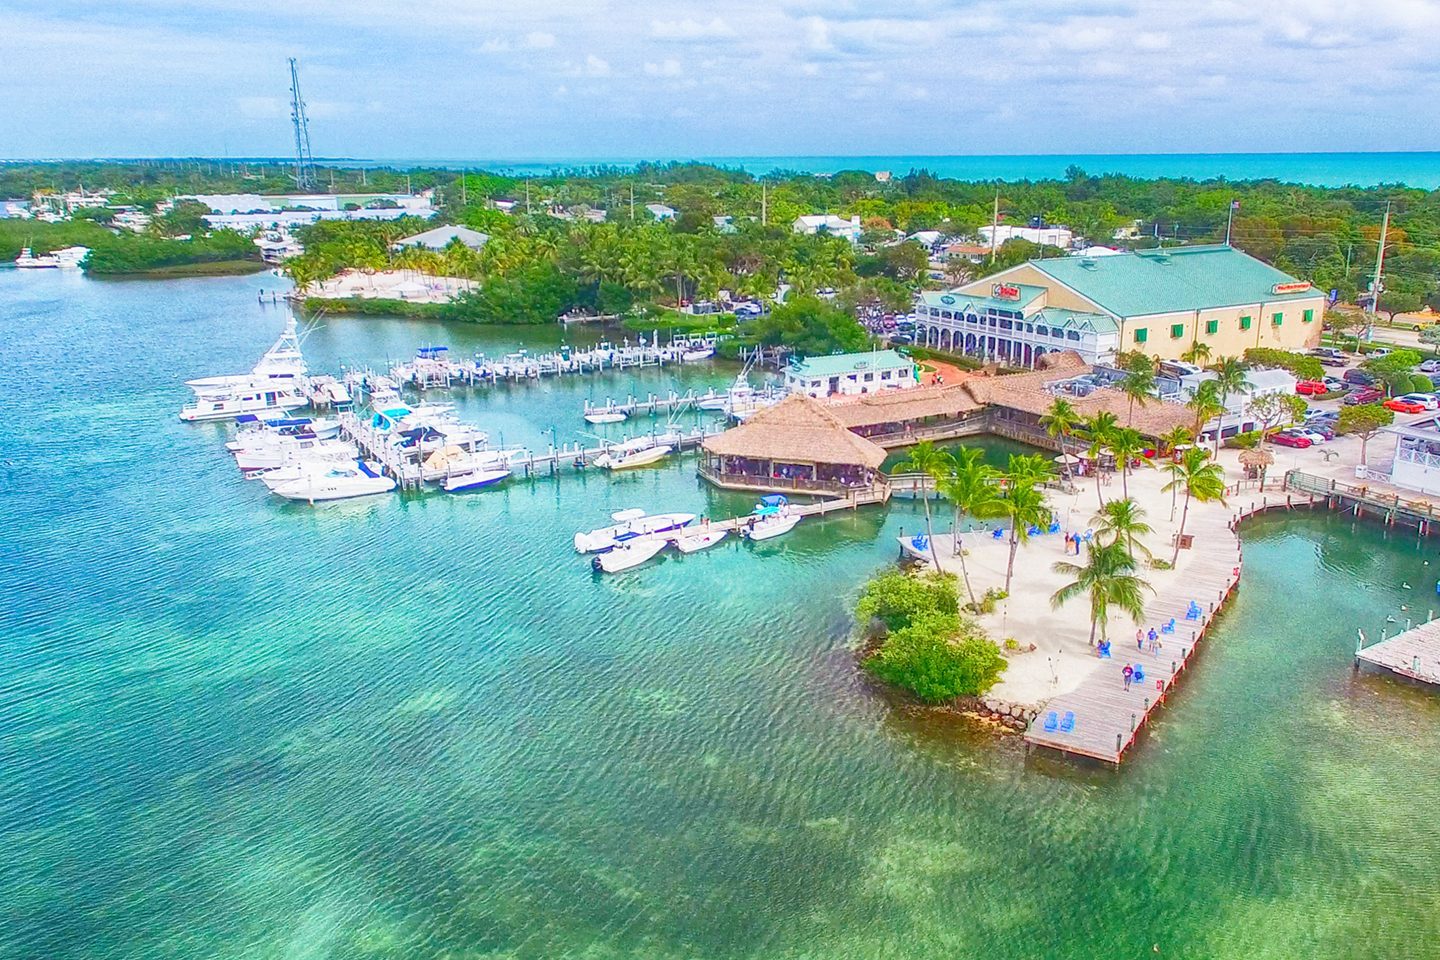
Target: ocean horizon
(1412, 169)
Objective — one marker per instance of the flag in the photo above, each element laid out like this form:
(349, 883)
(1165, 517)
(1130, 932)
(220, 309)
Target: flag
(1234, 204)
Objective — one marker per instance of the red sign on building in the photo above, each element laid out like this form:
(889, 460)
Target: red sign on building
(1297, 286)
(1004, 291)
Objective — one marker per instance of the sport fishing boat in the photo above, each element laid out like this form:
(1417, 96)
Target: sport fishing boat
(628, 525)
(769, 527)
(703, 353)
(66, 258)
(639, 452)
(739, 390)
(254, 431)
(281, 368)
(627, 557)
(287, 450)
(475, 480)
(695, 542)
(338, 482)
(453, 461)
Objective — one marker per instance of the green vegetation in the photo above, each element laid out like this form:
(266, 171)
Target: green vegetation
(1303, 365)
(928, 648)
(1201, 479)
(44, 237)
(1364, 420)
(132, 254)
(1395, 370)
(1107, 578)
(808, 326)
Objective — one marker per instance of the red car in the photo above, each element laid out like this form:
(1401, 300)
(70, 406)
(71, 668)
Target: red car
(1290, 440)
(1363, 395)
(1401, 405)
(1311, 388)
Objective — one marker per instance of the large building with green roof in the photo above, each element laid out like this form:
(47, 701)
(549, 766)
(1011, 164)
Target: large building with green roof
(1214, 301)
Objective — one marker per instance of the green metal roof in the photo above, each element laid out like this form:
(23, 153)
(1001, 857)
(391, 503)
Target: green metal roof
(843, 363)
(1080, 320)
(1172, 280)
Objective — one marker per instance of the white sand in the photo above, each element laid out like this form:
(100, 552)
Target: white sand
(411, 285)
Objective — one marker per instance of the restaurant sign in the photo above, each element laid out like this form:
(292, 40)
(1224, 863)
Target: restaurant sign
(1294, 286)
(1004, 291)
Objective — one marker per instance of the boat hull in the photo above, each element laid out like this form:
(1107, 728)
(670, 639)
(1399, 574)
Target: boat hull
(627, 558)
(767, 529)
(699, 541)
(599, 418)
(475, 481)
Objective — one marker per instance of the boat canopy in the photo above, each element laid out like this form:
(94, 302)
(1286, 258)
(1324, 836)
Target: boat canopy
(774, 500)
(430, 352)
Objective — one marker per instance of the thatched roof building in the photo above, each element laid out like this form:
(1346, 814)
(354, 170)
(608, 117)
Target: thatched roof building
(798, 444)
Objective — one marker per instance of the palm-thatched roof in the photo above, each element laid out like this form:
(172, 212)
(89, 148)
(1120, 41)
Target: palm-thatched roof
(1256, 458)
(798, 429)
(899, 406)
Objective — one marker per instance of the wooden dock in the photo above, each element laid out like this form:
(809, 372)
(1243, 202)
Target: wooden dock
(731, 524)
(1105, 716)
(1413, 654)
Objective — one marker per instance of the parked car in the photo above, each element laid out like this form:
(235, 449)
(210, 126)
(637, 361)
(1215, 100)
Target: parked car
(1286, 439)
(1401, 405)
(1426, 400)
(1325, 429)
(1358, 376)
(1377, 353)
(1311, 388)
(1335, 385)
(1364, 395)
(1329, 416)
(1430, 366)
(1314, 436)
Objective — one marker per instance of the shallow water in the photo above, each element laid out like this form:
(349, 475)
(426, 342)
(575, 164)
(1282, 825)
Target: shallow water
(420, 727)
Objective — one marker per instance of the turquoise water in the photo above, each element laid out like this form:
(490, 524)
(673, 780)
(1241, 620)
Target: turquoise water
(1418, 169)
(419, 727)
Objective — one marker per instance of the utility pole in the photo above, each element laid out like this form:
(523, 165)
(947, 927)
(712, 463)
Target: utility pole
(995, 225)
(463, 200)
(1229, 221)
(632, 203)
(527, 194)
(764, 209)
(1379, 263)
(408, 191)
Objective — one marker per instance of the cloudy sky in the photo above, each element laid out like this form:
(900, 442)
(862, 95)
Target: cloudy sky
(602, 78)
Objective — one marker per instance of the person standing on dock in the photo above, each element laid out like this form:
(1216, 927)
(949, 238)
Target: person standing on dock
(1127, 673)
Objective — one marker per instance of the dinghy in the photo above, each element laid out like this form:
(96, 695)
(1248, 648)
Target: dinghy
(772, 526)
(475, 480)
(624, 558)
(599, 418)
(628, 525)
(696, 542)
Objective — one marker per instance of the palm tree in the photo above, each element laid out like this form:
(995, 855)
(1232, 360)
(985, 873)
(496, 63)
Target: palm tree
(1138, 383)
(1108, 578)
(1123, 520)
(970, 486)
(1097, 430)
(930, 463)
(1207, 406)
(1229, 378)
(1060, 421)
(1023, 502)
(1202, 480)
(1173, 438)
(1198, 353)
(1128, 444)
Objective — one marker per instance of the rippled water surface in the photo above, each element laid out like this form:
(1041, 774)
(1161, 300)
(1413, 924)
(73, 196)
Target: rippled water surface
(419, 727)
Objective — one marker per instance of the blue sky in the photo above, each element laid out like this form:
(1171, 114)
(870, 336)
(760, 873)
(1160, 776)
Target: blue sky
(546, 79)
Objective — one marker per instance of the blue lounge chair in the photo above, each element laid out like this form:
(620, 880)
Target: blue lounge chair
(1054, 527)
(1102, 649)
(1051, 722)
(1068, 723)
(1088, 535)
(1139, 675)
(997, 534)
(1168, 627)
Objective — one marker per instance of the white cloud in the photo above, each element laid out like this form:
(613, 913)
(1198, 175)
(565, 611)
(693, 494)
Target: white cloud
(817, 34)
(595, 67)
(669, 67)
(263, 108)
(688, 29)
(1152, 40)
(539, 40)
(495, 46)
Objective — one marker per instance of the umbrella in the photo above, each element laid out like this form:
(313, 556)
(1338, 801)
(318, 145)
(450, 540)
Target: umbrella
(1067, 458)
(1256, 458)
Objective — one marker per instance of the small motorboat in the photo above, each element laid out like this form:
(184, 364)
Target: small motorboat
(475, 480)
(640, 452)
(696, 542)
(599, 418)
(628, 525)
(772, 526)
(626, 557)
(704, 353)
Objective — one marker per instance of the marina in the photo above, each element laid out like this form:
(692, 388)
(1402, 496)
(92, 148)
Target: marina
(1413, 653)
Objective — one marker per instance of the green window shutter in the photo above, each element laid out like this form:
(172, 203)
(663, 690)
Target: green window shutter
(1309, 316)
(1244, 323)
(1141, 334)
(1177, 330)
(1212, 326)
(1277, 319)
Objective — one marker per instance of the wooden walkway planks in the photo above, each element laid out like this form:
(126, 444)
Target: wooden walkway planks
(1412, 653)
(1107, 715)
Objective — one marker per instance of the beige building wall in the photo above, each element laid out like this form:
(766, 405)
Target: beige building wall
(1057, 295)
(1230, 337)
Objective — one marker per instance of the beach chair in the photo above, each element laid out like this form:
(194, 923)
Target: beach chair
(1139, 674)
(1102, 649)
(1068, 723)
(1032, 530)
(1193, 611)
(1051, 722)
(1054, 527)
(1088, 535)
(997, 534)
(1168, 627)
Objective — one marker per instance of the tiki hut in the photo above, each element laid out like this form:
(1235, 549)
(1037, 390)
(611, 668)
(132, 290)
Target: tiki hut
(1256, 462)
(797, 444)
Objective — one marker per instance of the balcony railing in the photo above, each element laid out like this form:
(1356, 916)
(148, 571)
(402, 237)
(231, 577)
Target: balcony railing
(796, 484)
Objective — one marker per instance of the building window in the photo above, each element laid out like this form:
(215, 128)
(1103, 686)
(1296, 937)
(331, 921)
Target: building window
(1309, 316)
(884, 374)
(1244, 323)
(869, 377)
(1212, 326)
(1277, 319)
(1177, 330)
(1072, 335)
(1141, 335)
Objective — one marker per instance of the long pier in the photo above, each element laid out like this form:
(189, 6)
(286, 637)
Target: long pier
(407, 470)
(850, 501)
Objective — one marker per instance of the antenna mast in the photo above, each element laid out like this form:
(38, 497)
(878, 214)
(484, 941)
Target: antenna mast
(304, 162)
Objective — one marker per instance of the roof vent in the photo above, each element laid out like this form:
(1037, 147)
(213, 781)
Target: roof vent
(1088, 263)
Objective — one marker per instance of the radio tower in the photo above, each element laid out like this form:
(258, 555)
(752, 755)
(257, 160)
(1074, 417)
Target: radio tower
(304, 162)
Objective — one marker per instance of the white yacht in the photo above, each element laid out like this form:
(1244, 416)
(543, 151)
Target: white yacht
(255, 432)
(772, 526)
(282, 367)
(336, 482)
(628, 525)
(66, 258)
(599, 418)
(230, 402)
(640, 452)
(288, 450)
(475, 480)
